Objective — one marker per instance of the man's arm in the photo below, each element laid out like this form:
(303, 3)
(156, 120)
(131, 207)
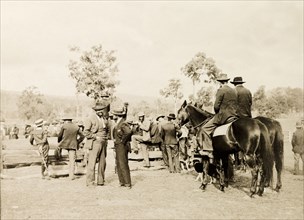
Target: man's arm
(218, 100)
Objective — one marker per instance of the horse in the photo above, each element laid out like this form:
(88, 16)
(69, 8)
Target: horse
(244, 134)
(277, 144)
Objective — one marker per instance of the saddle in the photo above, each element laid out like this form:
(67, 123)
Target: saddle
(223, 129)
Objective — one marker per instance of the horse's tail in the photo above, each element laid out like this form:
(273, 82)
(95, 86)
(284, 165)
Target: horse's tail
(267, 154)
(278, 147)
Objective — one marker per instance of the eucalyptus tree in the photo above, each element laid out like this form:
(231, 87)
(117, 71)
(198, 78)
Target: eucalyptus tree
(173, 90)
(94, 72)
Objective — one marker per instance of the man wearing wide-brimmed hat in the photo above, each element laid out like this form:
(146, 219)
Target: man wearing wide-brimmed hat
(169, 136)
(244, 98)
(297, 143)
(225, 106)
(68, 138)
(96, 130)
(122, 136)
(39, 135)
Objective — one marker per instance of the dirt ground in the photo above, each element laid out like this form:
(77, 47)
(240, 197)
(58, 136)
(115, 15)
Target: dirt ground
(156, 194)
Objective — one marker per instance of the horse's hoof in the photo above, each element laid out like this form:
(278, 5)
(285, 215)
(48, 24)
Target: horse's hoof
(226, 184)
(222, 188)
(203, 187)
(277, 189)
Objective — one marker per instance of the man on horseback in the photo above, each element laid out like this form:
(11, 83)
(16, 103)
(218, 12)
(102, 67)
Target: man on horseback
(244, 98)
(225, 107)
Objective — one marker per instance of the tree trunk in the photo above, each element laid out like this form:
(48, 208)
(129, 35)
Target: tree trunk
(193, 83)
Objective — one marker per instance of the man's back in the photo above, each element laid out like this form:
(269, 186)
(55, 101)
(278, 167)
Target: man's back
(225, 104)
(298, 141)
(169, 133)
(68, 136)
(244, 101)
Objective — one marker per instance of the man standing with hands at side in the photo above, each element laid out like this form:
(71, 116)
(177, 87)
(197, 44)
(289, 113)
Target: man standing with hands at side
(96, 130)
(122, 136)
(68, 138)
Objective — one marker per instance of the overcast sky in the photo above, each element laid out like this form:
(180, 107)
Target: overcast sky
(260, 41)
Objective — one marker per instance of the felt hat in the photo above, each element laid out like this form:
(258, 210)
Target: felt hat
(171, 115)
(222, 77)
(67, 118)
(119, 111)
(104, 94)
(160, 116)
(298, 124)
(141, 114)
(237, 80)
(39, 122)
(99, 106)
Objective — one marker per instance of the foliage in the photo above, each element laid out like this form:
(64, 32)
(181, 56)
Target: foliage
(94, 72)
(204, 97)
(198, 66)
(31, 104)
(173, 90)
(278, 101)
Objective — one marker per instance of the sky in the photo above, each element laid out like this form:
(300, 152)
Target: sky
(258, 40)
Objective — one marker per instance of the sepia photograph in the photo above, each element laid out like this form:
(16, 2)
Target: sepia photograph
(152, 109)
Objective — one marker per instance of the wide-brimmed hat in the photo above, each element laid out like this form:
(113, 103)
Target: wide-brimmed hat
(298, 124)
(39, 122)
(171, 115)
(100, 106)
(141, 114)
(237, 80)
(67, 118)
(160, 116)
(222, 77)
(104, 94)
(119, 111)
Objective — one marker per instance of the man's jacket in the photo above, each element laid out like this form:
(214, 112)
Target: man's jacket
(70, 136)
(297, 141)
(244, 101)
(225, 104)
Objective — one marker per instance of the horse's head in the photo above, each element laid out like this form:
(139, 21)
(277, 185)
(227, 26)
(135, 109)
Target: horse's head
(195, 115)
(182, 114)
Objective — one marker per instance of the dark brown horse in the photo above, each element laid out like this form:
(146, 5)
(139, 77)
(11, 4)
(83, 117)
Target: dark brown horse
(277, 144)
(244, 134)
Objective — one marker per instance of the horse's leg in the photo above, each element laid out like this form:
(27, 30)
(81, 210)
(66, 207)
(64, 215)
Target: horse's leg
(262, 180)
(254, 180)
(279, 181)
(221, 172)
(205, 174)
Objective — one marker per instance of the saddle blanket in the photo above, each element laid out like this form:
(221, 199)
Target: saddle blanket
(221, 130)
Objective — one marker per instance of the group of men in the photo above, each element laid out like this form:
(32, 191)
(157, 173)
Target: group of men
(128, 136)
(163, 133)
(96, 130)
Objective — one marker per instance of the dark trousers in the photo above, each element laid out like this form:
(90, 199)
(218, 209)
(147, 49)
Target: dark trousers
(122, 164)
(97, 153)
(173, 158)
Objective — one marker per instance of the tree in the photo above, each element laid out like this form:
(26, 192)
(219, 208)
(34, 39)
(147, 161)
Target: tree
(30, 104)
(94, 72)
(173, 90)
(204, 97)
(198, 66)
(259, 100)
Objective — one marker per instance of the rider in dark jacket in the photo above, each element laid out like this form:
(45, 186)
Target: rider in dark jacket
(225, 107)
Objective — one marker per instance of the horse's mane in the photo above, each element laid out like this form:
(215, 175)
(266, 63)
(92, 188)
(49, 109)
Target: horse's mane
(197, 115)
